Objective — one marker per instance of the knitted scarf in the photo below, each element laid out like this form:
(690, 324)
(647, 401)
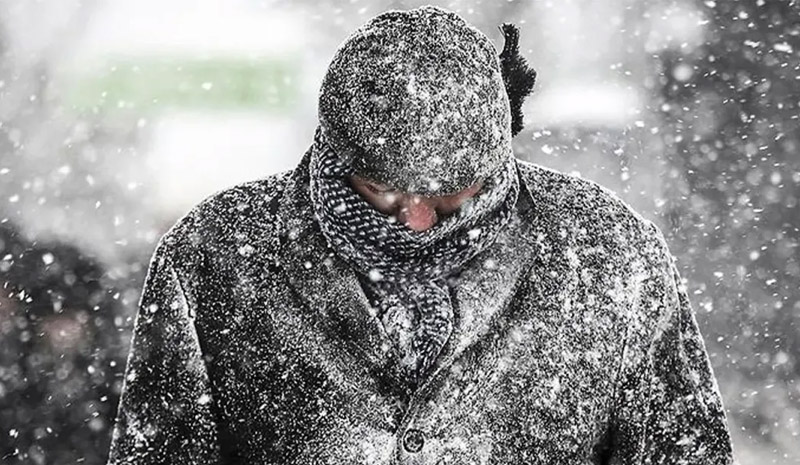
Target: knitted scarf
(404, 271)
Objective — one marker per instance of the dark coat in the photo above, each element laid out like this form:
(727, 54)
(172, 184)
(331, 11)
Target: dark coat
(574, 343)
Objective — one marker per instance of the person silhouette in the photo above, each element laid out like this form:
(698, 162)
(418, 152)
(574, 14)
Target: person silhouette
(413, 293)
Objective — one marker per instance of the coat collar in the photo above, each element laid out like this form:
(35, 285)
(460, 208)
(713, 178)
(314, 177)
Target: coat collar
(331, 289)
(326, 284)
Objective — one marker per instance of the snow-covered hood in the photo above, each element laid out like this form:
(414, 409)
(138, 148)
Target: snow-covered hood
(416, 100)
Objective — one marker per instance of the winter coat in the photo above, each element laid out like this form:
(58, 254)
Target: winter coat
(574, 343)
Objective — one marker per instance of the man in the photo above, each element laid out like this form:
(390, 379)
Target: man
(413, 293)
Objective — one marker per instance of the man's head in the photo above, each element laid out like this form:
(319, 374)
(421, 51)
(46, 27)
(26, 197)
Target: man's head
(415, 100)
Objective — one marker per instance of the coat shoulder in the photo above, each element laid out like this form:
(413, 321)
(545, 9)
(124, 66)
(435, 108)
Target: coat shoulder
(580, 207)
(601, 236)
(241, 218)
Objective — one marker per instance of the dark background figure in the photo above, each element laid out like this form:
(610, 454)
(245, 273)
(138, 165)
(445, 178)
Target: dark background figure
(62, 327)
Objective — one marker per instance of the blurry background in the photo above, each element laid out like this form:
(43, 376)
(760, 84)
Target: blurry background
(117, 117)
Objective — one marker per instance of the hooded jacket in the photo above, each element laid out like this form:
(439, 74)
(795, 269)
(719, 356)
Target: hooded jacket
(574, 343)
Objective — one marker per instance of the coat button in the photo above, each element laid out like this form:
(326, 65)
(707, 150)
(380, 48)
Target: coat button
(413, 440)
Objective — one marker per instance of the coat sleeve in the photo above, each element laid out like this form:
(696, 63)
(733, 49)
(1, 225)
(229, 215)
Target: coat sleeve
(165, 409)
(669, 408)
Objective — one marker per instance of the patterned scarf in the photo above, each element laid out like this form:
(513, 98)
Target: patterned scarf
(404, 271)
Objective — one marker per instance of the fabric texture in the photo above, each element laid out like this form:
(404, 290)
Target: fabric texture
(417, 100)
(406, 271)
(254, 344)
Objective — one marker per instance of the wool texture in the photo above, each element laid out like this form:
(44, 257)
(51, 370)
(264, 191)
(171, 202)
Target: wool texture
(406, 271)
(425, 84)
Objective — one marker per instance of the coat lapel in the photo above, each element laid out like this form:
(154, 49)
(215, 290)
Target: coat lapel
(489, 285)
(325, 283)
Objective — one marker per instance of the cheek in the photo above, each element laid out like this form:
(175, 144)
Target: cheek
(383, 203)
(451, 204)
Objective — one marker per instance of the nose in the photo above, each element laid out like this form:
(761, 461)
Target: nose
(417, 213)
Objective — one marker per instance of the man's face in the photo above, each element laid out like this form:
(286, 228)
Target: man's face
(415, 211)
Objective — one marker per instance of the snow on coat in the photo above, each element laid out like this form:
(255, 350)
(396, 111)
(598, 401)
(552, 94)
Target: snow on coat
(574, 343)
